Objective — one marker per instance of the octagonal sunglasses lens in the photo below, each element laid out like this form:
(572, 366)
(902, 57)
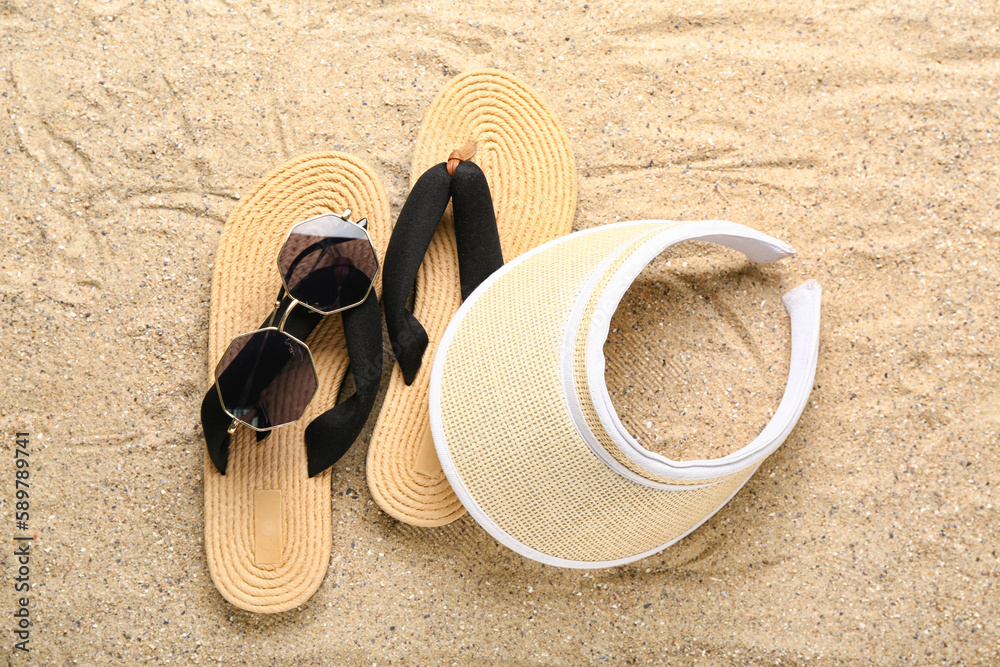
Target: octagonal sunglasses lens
(266, 378)
(328, 263)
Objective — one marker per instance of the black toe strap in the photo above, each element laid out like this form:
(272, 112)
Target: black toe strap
(408, 244)
(479, 252)
(329, 436)
(215, 423)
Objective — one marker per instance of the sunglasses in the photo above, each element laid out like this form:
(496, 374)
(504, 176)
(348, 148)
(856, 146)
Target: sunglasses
(267, 377)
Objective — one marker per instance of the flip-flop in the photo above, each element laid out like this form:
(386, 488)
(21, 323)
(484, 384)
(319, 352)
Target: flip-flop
(524, 152)
(268, 518)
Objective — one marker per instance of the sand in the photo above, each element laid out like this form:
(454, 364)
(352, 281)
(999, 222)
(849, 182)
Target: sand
(863, 134)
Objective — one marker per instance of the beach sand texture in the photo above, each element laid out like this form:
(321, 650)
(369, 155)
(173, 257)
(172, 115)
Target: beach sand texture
(864, 134)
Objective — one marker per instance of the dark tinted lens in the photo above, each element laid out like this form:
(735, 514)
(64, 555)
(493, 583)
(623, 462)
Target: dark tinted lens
(266, 379)
(328, 263)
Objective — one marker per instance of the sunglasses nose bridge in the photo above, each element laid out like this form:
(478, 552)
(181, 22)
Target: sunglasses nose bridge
(284, 316)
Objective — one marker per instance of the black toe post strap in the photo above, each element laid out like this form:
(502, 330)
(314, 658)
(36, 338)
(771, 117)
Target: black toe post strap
(330, 435)
(479, 253)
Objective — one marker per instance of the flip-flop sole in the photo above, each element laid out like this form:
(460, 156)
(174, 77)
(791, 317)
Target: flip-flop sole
(268, 526)
(525, 154)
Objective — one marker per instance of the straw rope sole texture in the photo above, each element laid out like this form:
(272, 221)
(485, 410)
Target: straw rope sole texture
(245, 282)
(525, 154)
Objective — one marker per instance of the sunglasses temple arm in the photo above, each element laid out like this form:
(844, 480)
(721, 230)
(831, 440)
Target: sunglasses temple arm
(319, 245)
(277, 307)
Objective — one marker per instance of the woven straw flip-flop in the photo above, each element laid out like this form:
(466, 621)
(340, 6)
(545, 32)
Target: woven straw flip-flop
(268, 525)
(524, 152)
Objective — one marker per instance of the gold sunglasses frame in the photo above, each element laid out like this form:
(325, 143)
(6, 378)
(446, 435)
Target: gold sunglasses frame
(343, 217)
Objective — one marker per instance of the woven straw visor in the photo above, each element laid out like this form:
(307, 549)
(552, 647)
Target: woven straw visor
(523, 422)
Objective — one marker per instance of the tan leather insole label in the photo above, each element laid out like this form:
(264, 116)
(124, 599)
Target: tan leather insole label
(427, 463)
(267, 527)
